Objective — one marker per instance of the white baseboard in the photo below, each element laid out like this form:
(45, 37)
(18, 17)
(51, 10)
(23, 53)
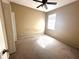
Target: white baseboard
(19, 36)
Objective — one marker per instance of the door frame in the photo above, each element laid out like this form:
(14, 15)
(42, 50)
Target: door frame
(4, 30)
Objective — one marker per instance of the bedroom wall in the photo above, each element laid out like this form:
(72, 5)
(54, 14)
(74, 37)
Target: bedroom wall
(28, 21)
(67, 24)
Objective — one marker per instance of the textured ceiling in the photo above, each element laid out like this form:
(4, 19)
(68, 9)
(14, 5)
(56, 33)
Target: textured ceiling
(33, 4)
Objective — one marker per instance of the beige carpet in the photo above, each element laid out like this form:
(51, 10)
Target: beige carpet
(28, 48)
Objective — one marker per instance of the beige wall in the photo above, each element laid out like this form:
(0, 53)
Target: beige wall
(28, 21)
(67, 24)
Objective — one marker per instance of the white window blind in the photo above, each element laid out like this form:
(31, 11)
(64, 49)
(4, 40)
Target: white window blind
(51, 21)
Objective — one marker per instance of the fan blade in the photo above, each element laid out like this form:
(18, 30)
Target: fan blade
(37, 1)
(54, 3)
(39, 5)
(45, 6)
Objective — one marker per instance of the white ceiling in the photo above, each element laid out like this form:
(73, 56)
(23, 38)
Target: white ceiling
(33, 4)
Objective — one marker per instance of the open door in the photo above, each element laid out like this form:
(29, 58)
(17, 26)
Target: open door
(3, 42)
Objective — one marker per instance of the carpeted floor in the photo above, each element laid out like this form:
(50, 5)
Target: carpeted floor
(43, 47)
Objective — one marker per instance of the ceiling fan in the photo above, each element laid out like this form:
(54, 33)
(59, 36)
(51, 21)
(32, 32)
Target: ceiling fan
(44, 2)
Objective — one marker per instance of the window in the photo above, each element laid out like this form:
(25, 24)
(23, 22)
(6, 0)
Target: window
(51, 21)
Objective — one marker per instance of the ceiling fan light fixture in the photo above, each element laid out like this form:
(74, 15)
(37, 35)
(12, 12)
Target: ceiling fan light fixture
(44, 3)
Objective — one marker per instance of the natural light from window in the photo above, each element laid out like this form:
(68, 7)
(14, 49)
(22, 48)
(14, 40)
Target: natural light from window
(52, 21)
(44, 41)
